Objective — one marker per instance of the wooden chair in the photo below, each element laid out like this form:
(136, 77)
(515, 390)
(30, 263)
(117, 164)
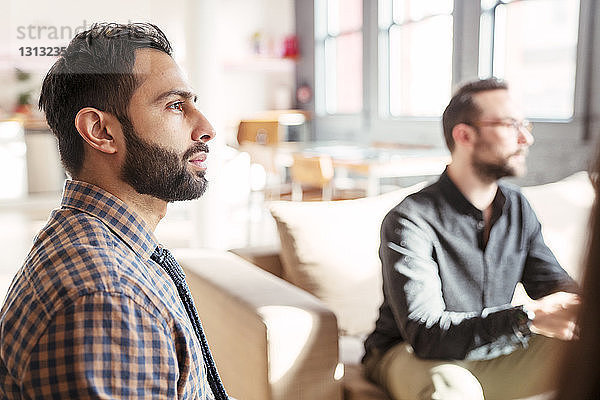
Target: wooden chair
(261, 131)
(314, 172)
(269, 127)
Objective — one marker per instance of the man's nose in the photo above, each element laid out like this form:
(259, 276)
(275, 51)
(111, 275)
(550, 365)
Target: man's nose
(203, 130)
(525, 136)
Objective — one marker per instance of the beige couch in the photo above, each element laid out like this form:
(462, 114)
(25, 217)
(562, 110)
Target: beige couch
(293, 329)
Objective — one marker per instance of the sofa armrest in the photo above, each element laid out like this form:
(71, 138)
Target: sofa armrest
(270, 339)
(265, 257)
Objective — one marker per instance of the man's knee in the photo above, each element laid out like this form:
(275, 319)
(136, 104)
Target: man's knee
(407, 377)
(452, 382)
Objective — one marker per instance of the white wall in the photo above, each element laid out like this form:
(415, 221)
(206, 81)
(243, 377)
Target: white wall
(250, 83)
(37, 23)
(231, 83)
(240, 83)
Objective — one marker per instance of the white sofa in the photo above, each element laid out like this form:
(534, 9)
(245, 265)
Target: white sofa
(293, 329)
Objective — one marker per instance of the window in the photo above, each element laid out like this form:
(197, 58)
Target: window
(415, 56)
(385, 69)
(338, 56)
(533, 45)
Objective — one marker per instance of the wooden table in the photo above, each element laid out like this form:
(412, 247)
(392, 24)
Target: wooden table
(372, 162)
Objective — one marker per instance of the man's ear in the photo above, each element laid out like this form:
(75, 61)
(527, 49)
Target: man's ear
(93, 126)
(463, 134)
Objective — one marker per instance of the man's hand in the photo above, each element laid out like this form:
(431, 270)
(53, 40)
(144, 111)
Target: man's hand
(556, 315)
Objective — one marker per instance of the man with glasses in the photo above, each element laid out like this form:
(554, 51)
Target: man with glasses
(452, 255)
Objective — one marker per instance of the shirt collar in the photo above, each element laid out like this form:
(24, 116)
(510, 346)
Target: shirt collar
(464, 206)
(113, 212)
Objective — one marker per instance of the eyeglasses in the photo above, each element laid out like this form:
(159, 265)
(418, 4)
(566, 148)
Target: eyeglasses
(518, 126)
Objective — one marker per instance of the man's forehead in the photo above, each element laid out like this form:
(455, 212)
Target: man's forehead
(494, 95)
(497, 102)
(156, 73)
(148, 61)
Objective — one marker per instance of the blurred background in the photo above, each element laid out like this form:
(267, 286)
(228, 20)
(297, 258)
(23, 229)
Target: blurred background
(311, 99)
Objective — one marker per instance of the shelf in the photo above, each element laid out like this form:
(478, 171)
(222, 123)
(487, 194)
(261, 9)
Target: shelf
(260, 64)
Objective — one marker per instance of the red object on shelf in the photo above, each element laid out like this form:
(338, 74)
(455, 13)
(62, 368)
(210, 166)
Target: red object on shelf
(24, 109)
(290, 47)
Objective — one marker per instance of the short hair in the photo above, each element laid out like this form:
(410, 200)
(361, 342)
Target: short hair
(95, 70)
(462, 107)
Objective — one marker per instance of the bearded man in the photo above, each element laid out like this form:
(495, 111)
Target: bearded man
(452, 255)
(100, 309)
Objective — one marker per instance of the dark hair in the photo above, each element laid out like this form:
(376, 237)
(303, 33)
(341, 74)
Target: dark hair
(579, 374)
(462, 107)
(96, 70)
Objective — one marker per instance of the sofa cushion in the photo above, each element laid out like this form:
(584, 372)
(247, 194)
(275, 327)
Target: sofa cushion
(563, 209)
(330, 249)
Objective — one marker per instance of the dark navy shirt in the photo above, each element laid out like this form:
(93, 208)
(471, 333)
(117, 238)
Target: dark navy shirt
(446, 291)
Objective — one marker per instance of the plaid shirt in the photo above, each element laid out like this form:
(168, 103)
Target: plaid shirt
(89, 315)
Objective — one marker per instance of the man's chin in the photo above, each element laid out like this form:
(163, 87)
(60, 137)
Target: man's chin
(191, 192)
(191, 189)
(518, 168)
(520, 172)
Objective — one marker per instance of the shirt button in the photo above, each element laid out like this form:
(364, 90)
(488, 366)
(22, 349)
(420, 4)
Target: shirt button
(403, 243)
(480, 225)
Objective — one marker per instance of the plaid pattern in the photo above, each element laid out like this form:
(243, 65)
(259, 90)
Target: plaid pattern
(90, 315)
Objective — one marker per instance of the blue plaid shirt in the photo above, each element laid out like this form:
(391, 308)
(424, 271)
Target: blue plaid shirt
(90, 315)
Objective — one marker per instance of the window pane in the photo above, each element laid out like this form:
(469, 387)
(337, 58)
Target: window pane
(351, 15)
(344, 16)
(344, 74)
(535, 45)
(414, 10)
(421, 67)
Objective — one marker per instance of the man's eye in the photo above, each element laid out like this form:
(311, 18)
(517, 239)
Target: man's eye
(177, 106)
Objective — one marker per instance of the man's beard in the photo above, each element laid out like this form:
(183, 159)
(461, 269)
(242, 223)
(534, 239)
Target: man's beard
(493, 170)
(159, 172)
